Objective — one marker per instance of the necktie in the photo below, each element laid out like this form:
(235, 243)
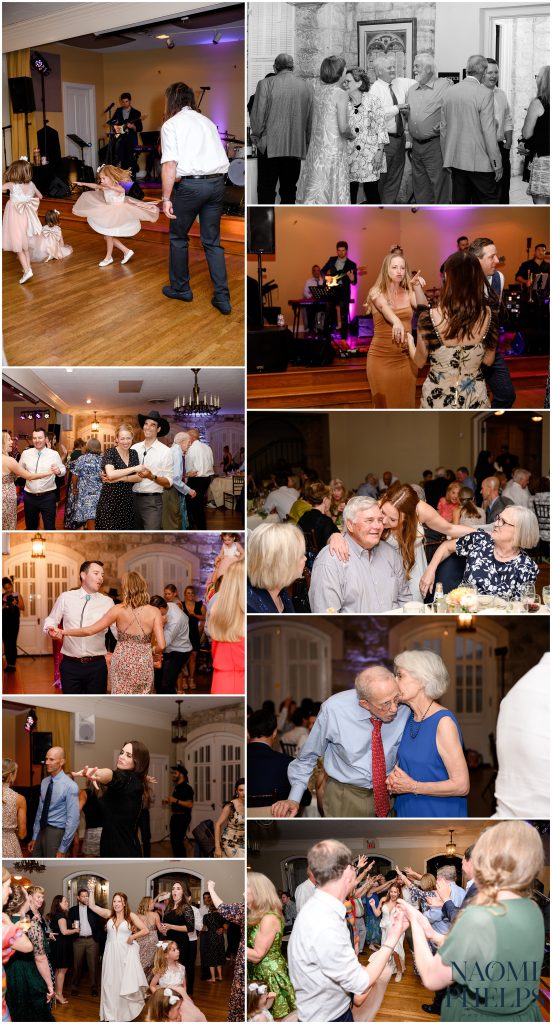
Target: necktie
(379, 771)
(399, 126)
(46, 805)
(86, 600)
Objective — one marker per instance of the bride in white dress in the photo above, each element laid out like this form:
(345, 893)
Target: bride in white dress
(124, 983)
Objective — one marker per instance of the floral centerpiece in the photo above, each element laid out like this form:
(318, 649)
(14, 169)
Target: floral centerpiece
(463, 599)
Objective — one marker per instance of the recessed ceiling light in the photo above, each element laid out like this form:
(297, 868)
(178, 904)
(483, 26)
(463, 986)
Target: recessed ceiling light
(68, 369)
(89, 401)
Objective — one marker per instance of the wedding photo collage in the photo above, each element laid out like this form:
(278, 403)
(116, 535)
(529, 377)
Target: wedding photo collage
(275, 308)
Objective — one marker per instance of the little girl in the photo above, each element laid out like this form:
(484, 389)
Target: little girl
(112, 213)
(49, 244)
(167, 971)
(163, 1005)
(259, 1001)
(231, 551)
(20, 221)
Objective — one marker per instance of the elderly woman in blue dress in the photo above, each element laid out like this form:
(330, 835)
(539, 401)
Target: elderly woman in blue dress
(497, 563)
(430, 779)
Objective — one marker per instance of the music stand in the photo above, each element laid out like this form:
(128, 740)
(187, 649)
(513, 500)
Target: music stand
(320, 292)
(80, 143)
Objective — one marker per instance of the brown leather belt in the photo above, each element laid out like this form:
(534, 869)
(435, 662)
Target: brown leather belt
(85, 661)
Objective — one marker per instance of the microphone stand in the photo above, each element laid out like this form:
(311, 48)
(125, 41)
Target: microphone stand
(204, 89)
(7, 128)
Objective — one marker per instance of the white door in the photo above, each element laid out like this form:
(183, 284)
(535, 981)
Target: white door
(160, 568)
(286, 659)
(79, 115)
(40, 581)
(214, 763)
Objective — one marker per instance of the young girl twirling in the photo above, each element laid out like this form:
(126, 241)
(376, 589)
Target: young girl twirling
(112, 213)
(168, 971)
(49, 245)
(20, 221)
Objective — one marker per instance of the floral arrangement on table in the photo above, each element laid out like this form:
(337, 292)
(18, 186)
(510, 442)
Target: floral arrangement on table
(463, 599)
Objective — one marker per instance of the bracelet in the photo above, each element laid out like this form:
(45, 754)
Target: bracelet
(385, 945)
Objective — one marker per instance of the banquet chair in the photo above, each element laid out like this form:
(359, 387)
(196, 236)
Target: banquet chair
(230, 497)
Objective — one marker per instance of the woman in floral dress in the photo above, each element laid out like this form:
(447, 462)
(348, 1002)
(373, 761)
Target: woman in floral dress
(231, 843)
(324, 177)
(147, 945)
(137, 624)
(268, 968)
(366, 148)
(234, 913)
(86, 478)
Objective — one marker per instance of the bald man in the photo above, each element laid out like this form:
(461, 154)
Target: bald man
(57, 816)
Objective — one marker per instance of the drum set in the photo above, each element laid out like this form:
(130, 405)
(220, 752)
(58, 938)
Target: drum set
(234, 182)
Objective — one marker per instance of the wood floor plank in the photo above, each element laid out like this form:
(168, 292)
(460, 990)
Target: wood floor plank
(74, 313)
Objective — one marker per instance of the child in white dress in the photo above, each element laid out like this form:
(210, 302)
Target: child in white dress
(112, 213)
(20, 221)
(49, 245)
(168, 971)
(259, 1001)
(230, 552)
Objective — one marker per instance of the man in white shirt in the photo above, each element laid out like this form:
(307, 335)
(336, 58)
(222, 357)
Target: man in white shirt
(304, 891)
(193, 165)
(174, 499)
(200, 469)
(282, 498)
(323, 967)
(83, 667)
(517, 488)
(391, 92)
(178, 647)
(156, 470)
(504, 127)
(40, 496)
(522, 787)
(316, 281)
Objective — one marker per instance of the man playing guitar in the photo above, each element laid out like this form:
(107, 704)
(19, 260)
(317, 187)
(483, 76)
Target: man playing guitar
(127, 122)
(340, 273)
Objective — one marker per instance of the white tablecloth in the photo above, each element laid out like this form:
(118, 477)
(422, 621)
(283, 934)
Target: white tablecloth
(255, 520)
(219, 486)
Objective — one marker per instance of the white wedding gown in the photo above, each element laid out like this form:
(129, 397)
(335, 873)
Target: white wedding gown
(124, 983)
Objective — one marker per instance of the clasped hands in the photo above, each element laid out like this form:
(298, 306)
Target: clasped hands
(399, 782)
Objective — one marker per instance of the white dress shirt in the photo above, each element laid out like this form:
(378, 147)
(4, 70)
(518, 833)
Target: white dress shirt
(158, 458)
(85, 930)
(177, 630)
(522, 787)
(322, 964)
(312, 282)
(193, 142)
(77, 608)
(518, 494)
(178, 470)
(281, 499)
(503, 118)
(199, 460)
(38, 462)
(303, 893)
(382, 91)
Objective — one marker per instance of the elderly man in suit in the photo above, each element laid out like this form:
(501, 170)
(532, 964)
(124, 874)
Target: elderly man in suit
(493, 502)
(469, 138)
(280, 127)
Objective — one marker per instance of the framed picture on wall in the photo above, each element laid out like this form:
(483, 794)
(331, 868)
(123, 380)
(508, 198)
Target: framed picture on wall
(396, 38)
(454, 76)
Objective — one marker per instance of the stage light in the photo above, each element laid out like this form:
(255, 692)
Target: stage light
(89, 401)
(499, 412)
(217, 37)
(38, 416)
(22, 416)
(40, 63)
(46, 415)
(170, 43)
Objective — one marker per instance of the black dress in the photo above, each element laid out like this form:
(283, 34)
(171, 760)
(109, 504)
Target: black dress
(213, 953)
(121, 804)
(182, 940)
(115, 510)
(195, 637)
(61, 951)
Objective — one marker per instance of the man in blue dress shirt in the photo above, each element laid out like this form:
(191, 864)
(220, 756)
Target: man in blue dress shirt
(342, 735)
(58, 811)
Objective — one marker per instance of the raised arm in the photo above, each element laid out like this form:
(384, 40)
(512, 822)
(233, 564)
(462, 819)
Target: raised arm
(429, 516)
(101, 775)
(217, 902)
(101, 911)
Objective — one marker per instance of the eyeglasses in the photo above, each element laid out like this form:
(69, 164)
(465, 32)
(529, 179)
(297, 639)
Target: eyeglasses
(499, 521)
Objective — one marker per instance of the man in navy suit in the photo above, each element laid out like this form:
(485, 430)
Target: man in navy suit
(267, 768)
(87, 943)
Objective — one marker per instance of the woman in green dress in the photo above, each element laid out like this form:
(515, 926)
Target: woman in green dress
(30, 979)
(491, 959)
(265, 963)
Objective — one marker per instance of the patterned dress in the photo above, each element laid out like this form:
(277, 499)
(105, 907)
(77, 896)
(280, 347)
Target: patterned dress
(26, 989)
(232, 840)
(10, 842)
(272, 971)
(132, 662)
(213, 952)
(9, 502)
(115, 509)
(455, 379)
(324, 177)
(147, 947)
(367, 121)
(9, 934)
(235, 912)
(489, 576)
(87, 469)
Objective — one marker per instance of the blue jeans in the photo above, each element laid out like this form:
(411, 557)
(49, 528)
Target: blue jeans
(348, 1015)
(192, 197)
(498, 378)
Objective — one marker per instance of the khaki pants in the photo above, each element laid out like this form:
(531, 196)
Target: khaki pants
(260, 812)
(342, 800)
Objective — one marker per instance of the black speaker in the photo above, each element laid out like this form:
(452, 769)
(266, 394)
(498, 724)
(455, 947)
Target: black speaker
(135, 192)
(87, 173)
(268, 350)
(40, 744)
(59, 189)
(261, 237)
(22, 95)
(313, 352)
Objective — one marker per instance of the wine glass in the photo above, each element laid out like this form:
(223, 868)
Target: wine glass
(546, 596)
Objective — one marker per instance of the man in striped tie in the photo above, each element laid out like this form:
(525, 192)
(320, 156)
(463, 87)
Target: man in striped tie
(83, 665)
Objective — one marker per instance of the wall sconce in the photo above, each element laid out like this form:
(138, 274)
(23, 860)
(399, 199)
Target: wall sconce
(465, 623)
(451, 845)
(38, 546)
(95, 425)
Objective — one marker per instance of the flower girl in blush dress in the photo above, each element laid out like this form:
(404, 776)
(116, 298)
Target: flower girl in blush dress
(49, 245)
(20, 219)
(168, 971)
(112, 213)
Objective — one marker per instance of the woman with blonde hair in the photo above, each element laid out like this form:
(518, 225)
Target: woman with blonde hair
(11, 470)
(392, 300)
(120, 464)
(138, 623)
(226, 627)
(276, 557)
(265, 928)
(148, 943)
(339, 497)
(491, 959)
(14, 811)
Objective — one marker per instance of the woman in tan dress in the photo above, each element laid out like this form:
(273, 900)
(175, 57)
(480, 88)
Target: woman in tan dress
(14, 811)
(392, 299)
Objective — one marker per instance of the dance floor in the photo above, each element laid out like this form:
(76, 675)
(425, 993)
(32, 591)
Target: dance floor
(35, 675)
(217, 519)
(343, 385)
(212, 999)
(74, 313)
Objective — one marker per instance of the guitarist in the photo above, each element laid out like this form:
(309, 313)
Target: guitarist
(131, 118)
(340, 291)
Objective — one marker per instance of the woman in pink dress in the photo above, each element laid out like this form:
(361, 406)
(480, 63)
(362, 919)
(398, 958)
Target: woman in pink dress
(20, 219)
(49, 245)
(226, 627)
(111, 213)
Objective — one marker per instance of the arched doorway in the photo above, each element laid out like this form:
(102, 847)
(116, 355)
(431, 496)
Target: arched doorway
(163, 881)
(290, 658)
(214, 759)
(40, 581)
(72, 884)
(160, 564)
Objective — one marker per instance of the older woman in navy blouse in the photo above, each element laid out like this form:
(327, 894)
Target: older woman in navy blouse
(275, 558)
(496, 562)
(430, 779)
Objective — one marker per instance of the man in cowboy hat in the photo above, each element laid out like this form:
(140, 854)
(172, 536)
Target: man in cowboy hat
(155, 469)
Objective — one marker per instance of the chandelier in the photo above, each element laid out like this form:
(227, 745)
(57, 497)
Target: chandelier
(179, 727)
(28, 867)
(451, 845)
(195, 406)
(38, 546)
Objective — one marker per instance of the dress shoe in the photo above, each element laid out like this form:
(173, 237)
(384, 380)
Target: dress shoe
(128, 256)
(171, 294)
(222, 305)
(106, 262)
(430, 1008)
(26, 277)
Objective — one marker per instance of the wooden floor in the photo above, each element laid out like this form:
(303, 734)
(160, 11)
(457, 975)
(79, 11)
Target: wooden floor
(211, 999)
(37, 675)
(217, 519)
(343, 385)
(74, 313)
